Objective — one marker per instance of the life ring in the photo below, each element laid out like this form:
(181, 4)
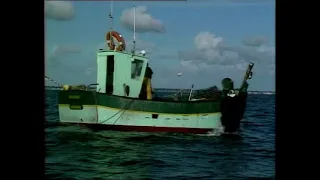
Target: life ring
(119, 38)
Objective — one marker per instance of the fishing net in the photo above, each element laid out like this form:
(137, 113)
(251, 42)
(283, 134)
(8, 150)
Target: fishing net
(208, 93)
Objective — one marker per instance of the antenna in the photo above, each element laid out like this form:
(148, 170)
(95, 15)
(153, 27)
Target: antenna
(134, 30)
(111, 22)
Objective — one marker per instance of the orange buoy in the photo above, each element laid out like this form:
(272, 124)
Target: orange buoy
(119, 38)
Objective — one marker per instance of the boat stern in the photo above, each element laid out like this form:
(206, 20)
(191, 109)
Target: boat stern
(77, 106)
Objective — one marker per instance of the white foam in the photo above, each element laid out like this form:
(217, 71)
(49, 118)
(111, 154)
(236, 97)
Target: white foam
(214, 132)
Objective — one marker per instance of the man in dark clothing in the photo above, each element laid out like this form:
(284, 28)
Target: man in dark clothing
(146, 90)
(149, 72)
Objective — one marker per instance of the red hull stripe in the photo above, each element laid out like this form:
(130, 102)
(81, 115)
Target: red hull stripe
(145, 128)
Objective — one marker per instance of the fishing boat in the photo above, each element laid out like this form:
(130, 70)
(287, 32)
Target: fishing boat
(122, 98)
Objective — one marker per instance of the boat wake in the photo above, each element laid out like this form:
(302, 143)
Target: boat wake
(214, 132)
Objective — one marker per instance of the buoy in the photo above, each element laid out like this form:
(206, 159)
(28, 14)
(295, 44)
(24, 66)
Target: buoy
(65, 87)
(119, 38)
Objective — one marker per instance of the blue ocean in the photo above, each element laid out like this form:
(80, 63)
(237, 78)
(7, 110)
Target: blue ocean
(78, 153)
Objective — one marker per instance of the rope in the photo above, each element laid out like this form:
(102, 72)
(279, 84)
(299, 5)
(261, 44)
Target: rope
(54, 81)
(122, 109)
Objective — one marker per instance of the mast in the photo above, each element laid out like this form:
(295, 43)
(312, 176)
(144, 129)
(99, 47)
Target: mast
(111, 23)
(134, 30)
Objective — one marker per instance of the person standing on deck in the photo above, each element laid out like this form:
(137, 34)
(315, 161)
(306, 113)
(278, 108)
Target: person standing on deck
(147, 82)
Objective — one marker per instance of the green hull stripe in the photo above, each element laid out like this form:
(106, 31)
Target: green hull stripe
(116, 102)
(142, 112)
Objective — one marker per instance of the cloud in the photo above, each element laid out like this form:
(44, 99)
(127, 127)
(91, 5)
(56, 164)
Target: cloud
(216, 3)
(210, 51)
(59, 10)
(62, 50)
(144, 21)
(212, 59)
(255, 41)
(56, 57)
(69, 64)
(207, 63)
(149, 47)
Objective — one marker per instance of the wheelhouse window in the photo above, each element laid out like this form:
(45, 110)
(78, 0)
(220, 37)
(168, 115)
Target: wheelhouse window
(136, 68)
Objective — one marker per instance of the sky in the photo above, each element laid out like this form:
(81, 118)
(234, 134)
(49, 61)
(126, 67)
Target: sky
(205, 40)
